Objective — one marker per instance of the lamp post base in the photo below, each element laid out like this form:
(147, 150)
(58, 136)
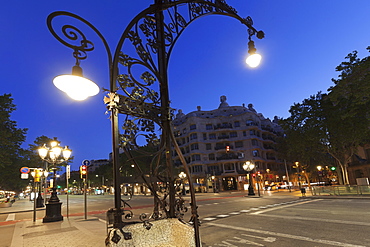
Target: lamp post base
(39, 201)
(251, 191)
(53, 212)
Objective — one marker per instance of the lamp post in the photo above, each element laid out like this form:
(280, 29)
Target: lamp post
(319, 173)
(249, 166)
(150, 38)
(54, 155)
(38, 174)
(214, 183)
(182, 177)
(299, 174)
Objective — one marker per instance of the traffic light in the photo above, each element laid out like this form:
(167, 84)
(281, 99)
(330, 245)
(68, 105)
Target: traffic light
(83, 171)
(333, 168)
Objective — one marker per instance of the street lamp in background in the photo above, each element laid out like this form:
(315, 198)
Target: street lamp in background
(182, 177)
(139, 89)
(249, 166)
(38, 174)
(319, 173)
(54, 155)
(299, 174)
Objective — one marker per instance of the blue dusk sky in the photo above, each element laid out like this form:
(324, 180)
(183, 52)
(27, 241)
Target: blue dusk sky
(305, 41)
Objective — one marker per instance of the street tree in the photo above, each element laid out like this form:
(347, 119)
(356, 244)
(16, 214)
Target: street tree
(348, 110)
(11, 154)
(336, 123)
(304, 131)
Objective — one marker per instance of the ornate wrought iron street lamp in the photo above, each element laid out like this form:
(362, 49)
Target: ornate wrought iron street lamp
(141, 94)
(54, 155)
(249, 166)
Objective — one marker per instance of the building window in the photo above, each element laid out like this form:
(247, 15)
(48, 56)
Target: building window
(244, 133)
(209, 127)
(194, 146)
(254, 142)
(193, 126)
(251, 123)
(236, 124)
(177, 134)
(193, 136)
(195, 157)
(204, 136)
(229, 167)
(183, 140)
(211, 156)
(213, 169)
(233, 134)
(239, 144)
(255, 153)
(208, 146)
(184, 131)
(197, 168)
(212, 136)
(187, 149)
(252, 132)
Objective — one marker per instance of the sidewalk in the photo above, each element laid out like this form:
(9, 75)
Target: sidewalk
(72, 231)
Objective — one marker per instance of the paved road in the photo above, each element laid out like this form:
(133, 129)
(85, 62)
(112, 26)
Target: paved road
(232, 219)
(293, 223)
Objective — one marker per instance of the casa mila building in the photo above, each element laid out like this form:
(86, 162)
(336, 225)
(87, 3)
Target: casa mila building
(218, 142)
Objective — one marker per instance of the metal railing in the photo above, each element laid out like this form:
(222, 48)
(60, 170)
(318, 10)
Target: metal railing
(341, 190)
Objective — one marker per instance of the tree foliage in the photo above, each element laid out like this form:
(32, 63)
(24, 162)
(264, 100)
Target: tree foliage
(304, 132)
(11, 153)
(336, 123)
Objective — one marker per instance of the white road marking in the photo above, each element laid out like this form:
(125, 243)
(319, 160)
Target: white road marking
(234, 213)
(268, 239)
(284, 235)
(317, 219)
(208, 218)
(10, 217)
(244, 211)
(222, 215)
(285, 206)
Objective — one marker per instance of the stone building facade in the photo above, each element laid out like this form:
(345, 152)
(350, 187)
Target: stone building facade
(218, 142)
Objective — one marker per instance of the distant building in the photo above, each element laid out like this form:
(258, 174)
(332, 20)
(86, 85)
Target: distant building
(359, 167)
(217, 143)
(96, 163)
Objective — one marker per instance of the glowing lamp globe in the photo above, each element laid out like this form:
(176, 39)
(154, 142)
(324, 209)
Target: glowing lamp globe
(254, 60)
(76, 86)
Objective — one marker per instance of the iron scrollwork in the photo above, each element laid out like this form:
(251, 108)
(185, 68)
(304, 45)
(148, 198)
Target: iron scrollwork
(138, 70)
